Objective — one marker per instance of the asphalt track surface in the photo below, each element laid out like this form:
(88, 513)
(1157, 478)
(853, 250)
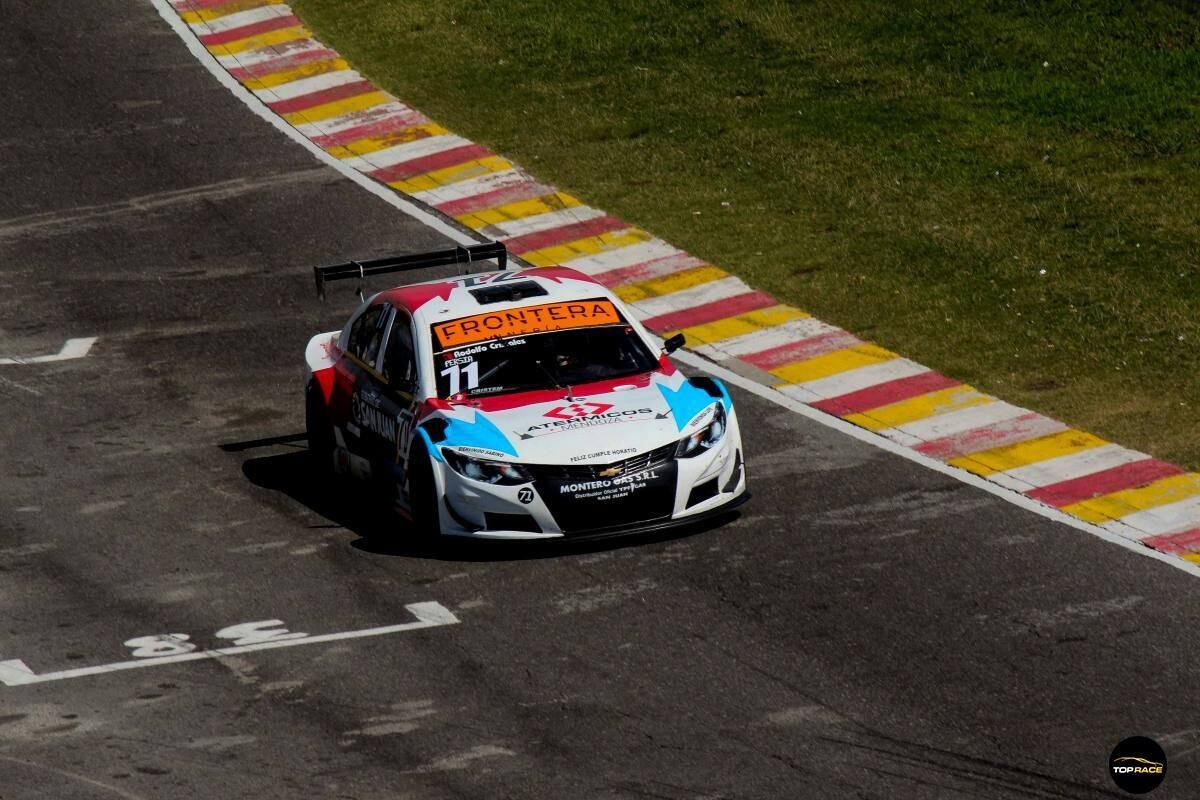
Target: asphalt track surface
(866, 628)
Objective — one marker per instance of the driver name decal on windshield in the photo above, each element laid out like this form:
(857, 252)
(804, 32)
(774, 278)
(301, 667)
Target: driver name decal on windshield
(531, 319)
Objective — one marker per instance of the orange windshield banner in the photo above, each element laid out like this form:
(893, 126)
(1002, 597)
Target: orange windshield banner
(531, 319)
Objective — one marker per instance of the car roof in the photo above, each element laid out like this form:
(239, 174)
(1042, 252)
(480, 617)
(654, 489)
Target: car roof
(449, 298)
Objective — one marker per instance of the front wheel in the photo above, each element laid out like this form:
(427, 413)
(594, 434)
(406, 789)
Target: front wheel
(422, 495)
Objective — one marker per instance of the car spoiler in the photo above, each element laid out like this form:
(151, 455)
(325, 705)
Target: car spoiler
(438, 258)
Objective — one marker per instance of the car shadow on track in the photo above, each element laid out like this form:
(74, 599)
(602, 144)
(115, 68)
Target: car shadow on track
(381, 531)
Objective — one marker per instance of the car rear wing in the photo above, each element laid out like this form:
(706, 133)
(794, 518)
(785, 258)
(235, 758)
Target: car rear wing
(438, 258)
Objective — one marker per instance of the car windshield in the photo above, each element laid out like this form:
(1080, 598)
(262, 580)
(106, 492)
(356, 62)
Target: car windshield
(482, 356)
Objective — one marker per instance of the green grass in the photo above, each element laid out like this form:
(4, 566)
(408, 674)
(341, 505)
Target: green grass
(1005, 191)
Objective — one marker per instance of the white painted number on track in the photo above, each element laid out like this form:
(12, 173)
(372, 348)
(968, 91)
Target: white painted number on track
(247, 633)
(164, 644)
(173, 648)
(256, 632)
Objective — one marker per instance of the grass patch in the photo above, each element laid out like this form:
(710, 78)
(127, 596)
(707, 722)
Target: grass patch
(1008, 192)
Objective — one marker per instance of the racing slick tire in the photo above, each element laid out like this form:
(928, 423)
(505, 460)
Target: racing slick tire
(318, 428)
(422, 495)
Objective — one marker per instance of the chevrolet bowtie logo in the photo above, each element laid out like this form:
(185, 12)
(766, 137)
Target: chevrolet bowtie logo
(611, 472)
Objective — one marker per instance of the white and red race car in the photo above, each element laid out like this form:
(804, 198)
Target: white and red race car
(517, 404)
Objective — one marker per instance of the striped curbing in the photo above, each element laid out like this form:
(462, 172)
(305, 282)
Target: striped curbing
(266, 48)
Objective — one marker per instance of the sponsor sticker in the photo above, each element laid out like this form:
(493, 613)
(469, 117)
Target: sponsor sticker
(574, 423)
(605, 489)
(604, 454)
(368, 416)
(577, 410)
(702, 418)
(530, 319)
(479, 280)
(482, 451)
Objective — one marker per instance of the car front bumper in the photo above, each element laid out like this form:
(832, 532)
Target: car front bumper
(662, 494)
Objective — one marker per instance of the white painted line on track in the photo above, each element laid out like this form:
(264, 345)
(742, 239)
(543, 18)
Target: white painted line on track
(437, 223)
(74, 348)
(106, 788)
(397, 201)
(14, 672)
(962, 476)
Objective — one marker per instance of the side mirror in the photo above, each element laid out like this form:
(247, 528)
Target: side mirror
(674, 343)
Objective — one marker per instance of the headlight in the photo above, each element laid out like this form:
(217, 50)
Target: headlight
(705, 438)
(478, 469)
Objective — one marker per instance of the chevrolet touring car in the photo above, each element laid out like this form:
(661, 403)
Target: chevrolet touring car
(517, 404)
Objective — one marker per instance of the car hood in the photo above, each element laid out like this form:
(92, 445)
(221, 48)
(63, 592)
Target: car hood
(586, 428)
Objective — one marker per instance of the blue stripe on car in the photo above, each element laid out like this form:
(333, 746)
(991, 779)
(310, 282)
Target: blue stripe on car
(686, 402)
(433, 451)
(726, 400)
(481, 433)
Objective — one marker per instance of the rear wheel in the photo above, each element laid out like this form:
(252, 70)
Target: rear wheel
(318, 428)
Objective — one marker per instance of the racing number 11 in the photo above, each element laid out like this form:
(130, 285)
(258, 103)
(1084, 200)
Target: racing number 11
(455, 373)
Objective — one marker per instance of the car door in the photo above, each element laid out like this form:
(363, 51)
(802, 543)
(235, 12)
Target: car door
(358, 385)
(398, 399)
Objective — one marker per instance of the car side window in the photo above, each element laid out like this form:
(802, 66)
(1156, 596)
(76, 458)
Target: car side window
(367, 333)
(399, 361)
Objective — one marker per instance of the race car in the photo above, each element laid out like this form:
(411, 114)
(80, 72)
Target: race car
(516, 404)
